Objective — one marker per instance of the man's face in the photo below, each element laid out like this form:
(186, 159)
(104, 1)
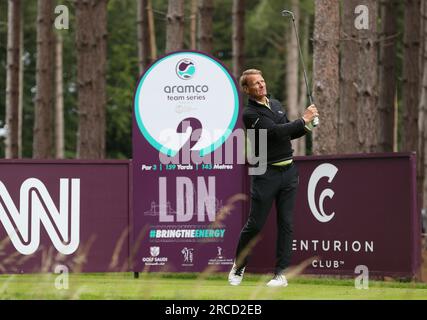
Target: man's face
(256, 87)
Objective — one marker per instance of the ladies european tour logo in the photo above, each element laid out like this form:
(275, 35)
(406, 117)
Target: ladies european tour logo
(185, 69)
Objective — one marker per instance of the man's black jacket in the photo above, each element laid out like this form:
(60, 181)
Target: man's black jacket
(280, 131)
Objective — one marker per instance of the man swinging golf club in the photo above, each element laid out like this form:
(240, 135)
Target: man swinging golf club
(280, 180)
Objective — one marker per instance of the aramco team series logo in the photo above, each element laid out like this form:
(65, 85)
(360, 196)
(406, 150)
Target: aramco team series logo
(324, 170)
(185, 69)
(62, 223)
(186, 100)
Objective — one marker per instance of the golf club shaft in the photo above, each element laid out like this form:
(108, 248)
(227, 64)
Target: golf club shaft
(310, 97)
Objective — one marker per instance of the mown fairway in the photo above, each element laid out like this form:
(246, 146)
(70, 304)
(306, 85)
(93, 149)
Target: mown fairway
(198, 286)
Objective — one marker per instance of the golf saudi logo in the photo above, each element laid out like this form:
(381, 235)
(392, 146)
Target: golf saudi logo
(186, 100)
(325, 170)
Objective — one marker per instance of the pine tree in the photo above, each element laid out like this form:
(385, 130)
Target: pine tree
(91, 45)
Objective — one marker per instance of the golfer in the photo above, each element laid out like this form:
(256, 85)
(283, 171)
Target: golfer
(280, 180)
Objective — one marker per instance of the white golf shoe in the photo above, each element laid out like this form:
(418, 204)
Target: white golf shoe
(279, 280)
(235, 276)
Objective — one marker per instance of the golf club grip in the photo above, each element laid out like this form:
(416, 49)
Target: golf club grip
(315, 121)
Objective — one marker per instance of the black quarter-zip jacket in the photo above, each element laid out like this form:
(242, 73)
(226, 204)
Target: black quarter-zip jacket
(280, 131)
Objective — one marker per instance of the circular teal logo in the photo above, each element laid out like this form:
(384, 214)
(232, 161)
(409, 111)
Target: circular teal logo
(185, 69)
(163, 103)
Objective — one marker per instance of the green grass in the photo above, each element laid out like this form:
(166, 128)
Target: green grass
(199, 286)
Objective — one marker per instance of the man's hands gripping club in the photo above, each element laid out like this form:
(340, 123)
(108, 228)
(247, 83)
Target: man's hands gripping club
(309, 114)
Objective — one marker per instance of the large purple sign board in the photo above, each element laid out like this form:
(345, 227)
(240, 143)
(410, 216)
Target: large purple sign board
(71, 214)
(187, 198)
(352, 210)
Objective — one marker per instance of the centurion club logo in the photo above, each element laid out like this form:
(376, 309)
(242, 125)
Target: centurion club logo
(324, 170)
(185, 69)
(36, 207)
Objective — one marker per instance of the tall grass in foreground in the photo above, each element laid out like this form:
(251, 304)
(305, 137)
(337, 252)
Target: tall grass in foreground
(209, 284)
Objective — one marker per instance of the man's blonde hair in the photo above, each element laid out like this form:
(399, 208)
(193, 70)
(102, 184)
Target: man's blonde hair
(244, 77)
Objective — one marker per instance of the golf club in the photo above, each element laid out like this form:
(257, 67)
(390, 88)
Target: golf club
(287, 13)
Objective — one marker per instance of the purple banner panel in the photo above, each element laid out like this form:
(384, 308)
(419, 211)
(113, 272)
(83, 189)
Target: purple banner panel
(352, 211)
(64, 215)
(187, 195)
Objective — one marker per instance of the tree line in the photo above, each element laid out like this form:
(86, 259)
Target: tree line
(68, 93)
